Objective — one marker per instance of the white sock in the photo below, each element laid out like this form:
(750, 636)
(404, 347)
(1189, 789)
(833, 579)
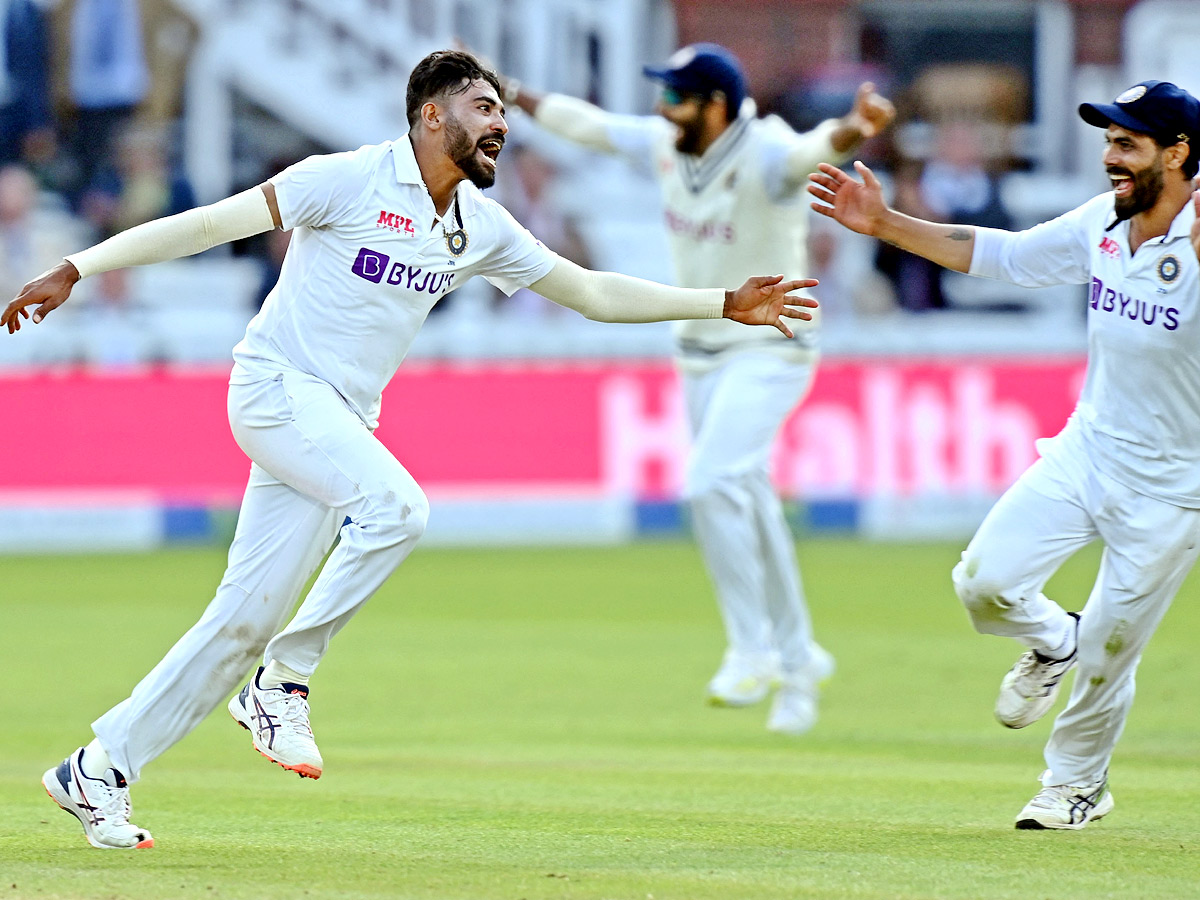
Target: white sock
(95, 762)
(276, 673)
(1067, 646)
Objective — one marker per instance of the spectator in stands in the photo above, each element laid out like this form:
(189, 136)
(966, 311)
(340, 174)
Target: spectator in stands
(960, 183)
(143, 186)
(26, 127)
(108, 78)
(530, 197)
(32, 239)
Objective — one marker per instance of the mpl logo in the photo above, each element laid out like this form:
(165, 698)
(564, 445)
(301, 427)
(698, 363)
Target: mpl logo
(395, 222)
(1110, 248)
(370, 265)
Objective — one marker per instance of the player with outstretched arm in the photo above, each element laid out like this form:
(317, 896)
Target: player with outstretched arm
(380, 235)
(1124, 470)
(733, 190)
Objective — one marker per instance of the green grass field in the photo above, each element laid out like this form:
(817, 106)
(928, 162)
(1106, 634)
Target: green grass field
(530, 724)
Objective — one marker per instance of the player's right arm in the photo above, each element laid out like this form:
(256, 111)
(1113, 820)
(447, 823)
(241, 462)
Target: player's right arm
(859, 205)
(585, 123)
(1053, 252)
(240, 216)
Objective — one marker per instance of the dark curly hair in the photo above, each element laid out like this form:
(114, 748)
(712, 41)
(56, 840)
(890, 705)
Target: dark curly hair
(441, 74)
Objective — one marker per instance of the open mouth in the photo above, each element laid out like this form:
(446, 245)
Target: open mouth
(491, 148)
(1122, 184)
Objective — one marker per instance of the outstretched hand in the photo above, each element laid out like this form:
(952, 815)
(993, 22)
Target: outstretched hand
(856, 204)
(767, 300)
(49, 290)
(871, 112)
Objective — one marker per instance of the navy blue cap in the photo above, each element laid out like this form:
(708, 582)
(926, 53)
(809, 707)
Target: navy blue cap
(703, 69)
(1164, 111)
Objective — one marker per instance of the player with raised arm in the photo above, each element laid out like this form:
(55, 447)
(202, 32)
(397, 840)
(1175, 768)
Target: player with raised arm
(1126, 468)
(732, 186)
(380, 235)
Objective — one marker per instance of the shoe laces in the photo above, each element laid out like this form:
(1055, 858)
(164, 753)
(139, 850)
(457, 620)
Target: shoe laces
(1039, 676)
(114, 807)
(294, 711)
(1055, 794)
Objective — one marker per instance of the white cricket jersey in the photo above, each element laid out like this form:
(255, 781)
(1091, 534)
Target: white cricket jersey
(369, 258)
(1139, 412)
(731, 213)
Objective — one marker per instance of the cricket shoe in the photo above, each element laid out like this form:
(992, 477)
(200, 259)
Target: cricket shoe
(277, 719)
(1067, 806)
(742, 680)
(1031, 686)
(102, 808)
(794, 707)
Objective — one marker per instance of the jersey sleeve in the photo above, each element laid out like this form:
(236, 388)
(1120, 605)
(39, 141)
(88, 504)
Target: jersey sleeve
(788, 157)
(1054, 252)
(518, 259)
(636, 137)
(319, 190)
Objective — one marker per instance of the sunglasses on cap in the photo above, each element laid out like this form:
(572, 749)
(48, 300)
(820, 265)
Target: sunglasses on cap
(674, 97)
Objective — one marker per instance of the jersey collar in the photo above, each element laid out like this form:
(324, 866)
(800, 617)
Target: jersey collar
(408, 172)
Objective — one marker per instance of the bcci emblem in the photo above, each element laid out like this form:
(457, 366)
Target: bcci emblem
(456, 242)
(1168, 269)
(1137, 92)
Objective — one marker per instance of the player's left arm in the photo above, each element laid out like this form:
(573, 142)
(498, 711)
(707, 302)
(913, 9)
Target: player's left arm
(834, 139)
(240, 216)
(612, 297)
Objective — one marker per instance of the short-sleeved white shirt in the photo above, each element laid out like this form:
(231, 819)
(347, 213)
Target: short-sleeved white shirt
(368, 259)
(1138, 415)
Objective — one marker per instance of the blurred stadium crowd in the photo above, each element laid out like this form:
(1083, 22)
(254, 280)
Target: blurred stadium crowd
(110, 111)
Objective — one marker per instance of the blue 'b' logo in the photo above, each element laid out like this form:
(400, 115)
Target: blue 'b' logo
(370, 265)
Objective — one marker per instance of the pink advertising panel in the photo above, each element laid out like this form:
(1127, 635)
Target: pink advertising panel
(870, 428)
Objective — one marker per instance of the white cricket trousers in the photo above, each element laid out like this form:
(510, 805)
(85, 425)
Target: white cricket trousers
(317, 474)
(735, 412)
(1056, 507)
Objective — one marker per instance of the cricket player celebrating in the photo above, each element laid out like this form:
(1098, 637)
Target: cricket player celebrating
(732, 188)
(380, 235)
(1126, 468)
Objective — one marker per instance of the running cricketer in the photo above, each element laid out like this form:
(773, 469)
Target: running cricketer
(732, 186)
(380, 235)
(1125, 469)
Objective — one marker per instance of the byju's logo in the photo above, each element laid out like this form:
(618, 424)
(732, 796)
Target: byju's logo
(370, 265)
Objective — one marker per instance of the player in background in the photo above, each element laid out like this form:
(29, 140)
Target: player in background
(381, 234)
(1124, 470)
(732, 186)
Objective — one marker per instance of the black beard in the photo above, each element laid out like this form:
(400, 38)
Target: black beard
(461, 150)
(689, 137)
(1147, 188)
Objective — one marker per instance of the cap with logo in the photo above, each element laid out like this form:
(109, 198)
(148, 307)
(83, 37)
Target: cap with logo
(703, 69)
(1164, 111)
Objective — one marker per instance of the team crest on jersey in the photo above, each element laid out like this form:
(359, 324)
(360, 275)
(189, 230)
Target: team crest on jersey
(1168, 269)
(456, 242)
(1137, 92)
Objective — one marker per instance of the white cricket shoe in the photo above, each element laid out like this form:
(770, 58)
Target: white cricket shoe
(794, 708)
(1031, 686)
(742, 680)
(1067, 806)
(102, 808)
(277, 719)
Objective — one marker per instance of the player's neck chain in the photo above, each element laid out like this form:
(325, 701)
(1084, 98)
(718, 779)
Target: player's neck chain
(457, 240)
